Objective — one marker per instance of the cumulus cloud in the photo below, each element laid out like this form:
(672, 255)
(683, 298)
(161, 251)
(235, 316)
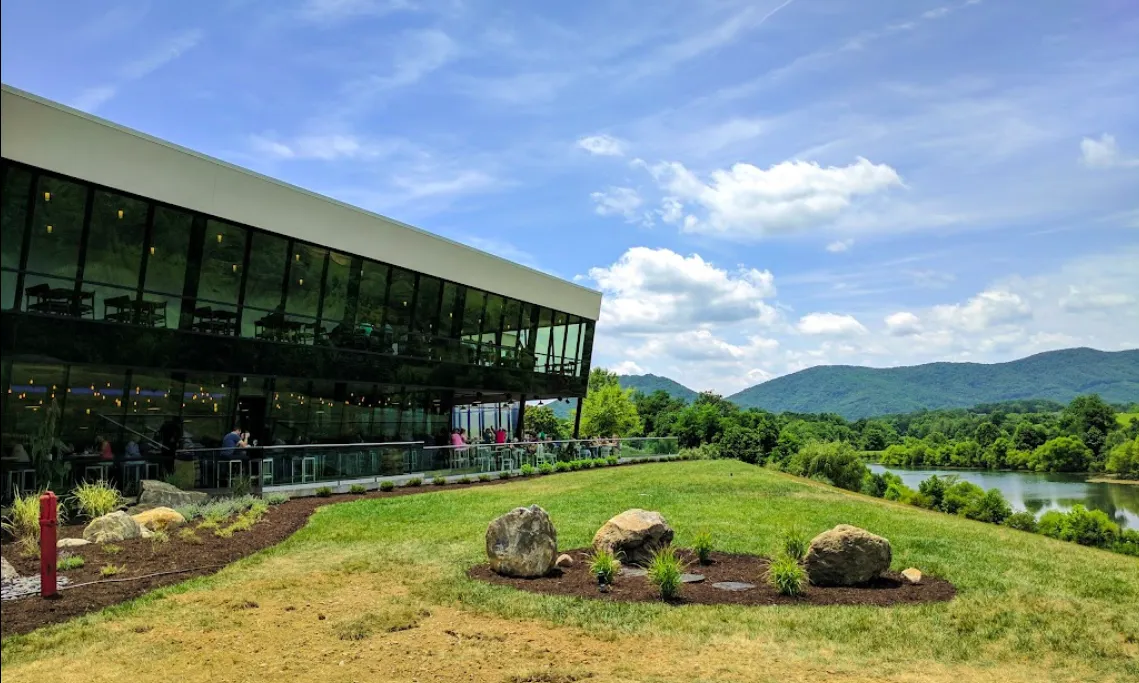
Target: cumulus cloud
(903, 324)
(619, 201)
(659, 290)
(1090, 299)
(627, 367)
(839, 246)
(746, 202)
(1103, 152)
(602, 145)
(987, 309)
(324, 147)
(830, 324)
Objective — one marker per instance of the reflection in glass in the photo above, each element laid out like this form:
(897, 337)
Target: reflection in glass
(166, 264)
(13, 218)
(114, 255)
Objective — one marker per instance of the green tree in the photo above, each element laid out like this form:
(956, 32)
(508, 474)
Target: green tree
(609, 410)
(742, 443)
(600, 377)
(1124, 459)
(837, 461)
(991, 507)
(1089, 418)
(878, 435)
(987, 433)
(658, 411)
(1029, 436)
(542, 420)
(1062, 454)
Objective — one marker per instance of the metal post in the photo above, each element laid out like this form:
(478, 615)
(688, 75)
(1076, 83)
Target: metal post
(518, 428)
(577, 419)
(48, 527)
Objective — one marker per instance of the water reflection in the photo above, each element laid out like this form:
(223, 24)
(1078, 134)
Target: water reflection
(1039, 492)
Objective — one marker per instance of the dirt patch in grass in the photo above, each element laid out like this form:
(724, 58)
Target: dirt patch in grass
(577, 581)
(181, 558)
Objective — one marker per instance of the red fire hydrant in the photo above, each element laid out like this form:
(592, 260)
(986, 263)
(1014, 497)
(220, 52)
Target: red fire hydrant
(49, 521)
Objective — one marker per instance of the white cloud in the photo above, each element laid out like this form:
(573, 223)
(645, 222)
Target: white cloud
(831, 324)
(417, 54)
(990, 308)
(327, 147)
(602, 145)
(619, 201)
(627, 367)
(329, 11)
(1088, 299)
(903, 324)
(658, 290)
(839, 246)
(746, 202)
(94, 97)
(1103, 153)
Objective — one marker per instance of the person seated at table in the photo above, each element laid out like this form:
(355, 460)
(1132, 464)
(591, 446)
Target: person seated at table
(104, 446)
(231, 442)
(458, 438)
(500, 435)
(132, 452)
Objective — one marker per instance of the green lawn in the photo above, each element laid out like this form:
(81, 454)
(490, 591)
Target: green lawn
(1029, 608)
(1126, 418)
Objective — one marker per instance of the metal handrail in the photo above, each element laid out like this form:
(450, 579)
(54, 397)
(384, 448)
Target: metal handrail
(284, 447)
(132, 431)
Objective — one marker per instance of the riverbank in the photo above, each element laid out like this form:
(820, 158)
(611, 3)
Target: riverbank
(1113, 480)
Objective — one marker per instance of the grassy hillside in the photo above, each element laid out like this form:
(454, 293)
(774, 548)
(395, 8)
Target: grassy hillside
(856, 392)
(377, 590)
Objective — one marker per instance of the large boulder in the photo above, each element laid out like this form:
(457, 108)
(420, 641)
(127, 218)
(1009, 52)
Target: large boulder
(159, 518)
(522, 543)
(160, 494)
(633, 535)
(112, 528)
(846, 556)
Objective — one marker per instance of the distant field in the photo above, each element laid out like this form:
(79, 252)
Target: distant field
(1125, 418)
(376, 590)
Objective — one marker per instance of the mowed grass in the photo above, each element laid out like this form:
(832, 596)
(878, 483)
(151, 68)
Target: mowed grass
(1125, 419)
(376, 590)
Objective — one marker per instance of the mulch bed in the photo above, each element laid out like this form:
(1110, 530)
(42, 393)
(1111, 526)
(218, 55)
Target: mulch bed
(890, 589)
(141, 557)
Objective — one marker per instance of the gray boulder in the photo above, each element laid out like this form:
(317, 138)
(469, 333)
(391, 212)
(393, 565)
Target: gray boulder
(633, 535)
(160, 494)
(71, 543)
(7, 571)
(522, 543)
(847, 556)
(112, 528)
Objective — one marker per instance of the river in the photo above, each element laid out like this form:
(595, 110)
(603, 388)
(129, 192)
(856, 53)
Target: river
(1039, 491)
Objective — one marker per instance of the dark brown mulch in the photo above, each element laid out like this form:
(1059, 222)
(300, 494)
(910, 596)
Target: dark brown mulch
(141, 557)
(891, 589)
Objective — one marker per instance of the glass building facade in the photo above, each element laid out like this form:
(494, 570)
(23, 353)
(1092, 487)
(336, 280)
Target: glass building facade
(130, 314)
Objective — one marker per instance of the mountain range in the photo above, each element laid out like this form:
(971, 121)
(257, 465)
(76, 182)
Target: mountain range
(856, 392)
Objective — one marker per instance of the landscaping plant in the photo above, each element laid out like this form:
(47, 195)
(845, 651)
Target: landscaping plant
(465, 480)
(484, 477)
(241, 486)
(414, 481)
(387, 486)
(159, 537)
(604, 564)
(70, 562)
(275, 498)
(505, 474)
(795, 544)
(110, 570)
(787, 576)
(439, 480)
(664, 571)
(187, 535)
(527, 470)
(702, 546)
(96, 498)
(357, 489)
(324, 492)
(111, 549)
(545, 468)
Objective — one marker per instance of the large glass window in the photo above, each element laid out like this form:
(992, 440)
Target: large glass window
(219, 283)
(491, 329)
(543, 347)
(31, 389)
(264, 316)
(510, 333)
(400, 295)
(154, 407)
(573, 345)
(207, 405)
(370, 332)
(427, 304)
(334, 312)
(93, 407)
(166, 267)
(53, 255)
(472, 324)
(114, 255)
(13, 219)
(526, 340)
(558, 345)
(304, 280)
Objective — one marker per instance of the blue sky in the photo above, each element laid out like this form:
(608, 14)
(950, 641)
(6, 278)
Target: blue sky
(756, 187)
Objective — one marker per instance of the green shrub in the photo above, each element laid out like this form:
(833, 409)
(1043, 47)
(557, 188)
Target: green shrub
(702, 546)
(795, 544)
(414, 481)
(484, 477)
(601, 462)
(527, 470)
(223, 532)
(562, 466)
(439, 480)
(187, 535)
(1128, 543)
(70, 562)
(991, 507)
(182, 477)
(612, 460)
(1080, 525)
(545, 468)
(357, 489)
(466, 480)
(603, 563)
(159, 537)
(786, 576)
(742, 443)
(111, 549)
(576, 465)
(23, 522)
(275, 498)
(837, 461)
(960, 496)
(241, 486)
(324, 492)
(505, 474)
(110, 570)
(1022, 521)
(96, 498)
(664, 572)
(387, 486)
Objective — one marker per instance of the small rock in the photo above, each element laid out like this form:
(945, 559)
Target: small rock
(522, 543)
(912, 575)
(7, 571)
(564, 561)
(691, 578)
(112, 528)
(733, 586)
(71, 543)
(143, 532)
(634, 535)
(159, 518)
(846, 556)
(633, 571)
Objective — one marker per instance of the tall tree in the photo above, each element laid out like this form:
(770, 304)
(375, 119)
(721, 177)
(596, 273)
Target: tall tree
(609, 410)
(542, 420)
(1090, 419)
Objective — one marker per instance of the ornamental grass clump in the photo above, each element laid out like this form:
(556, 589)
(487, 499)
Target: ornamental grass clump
(386, 486)
(665, 570)
(604, 565)
(702, 546)
(96, 498)
(795, 544)
(787, 576)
